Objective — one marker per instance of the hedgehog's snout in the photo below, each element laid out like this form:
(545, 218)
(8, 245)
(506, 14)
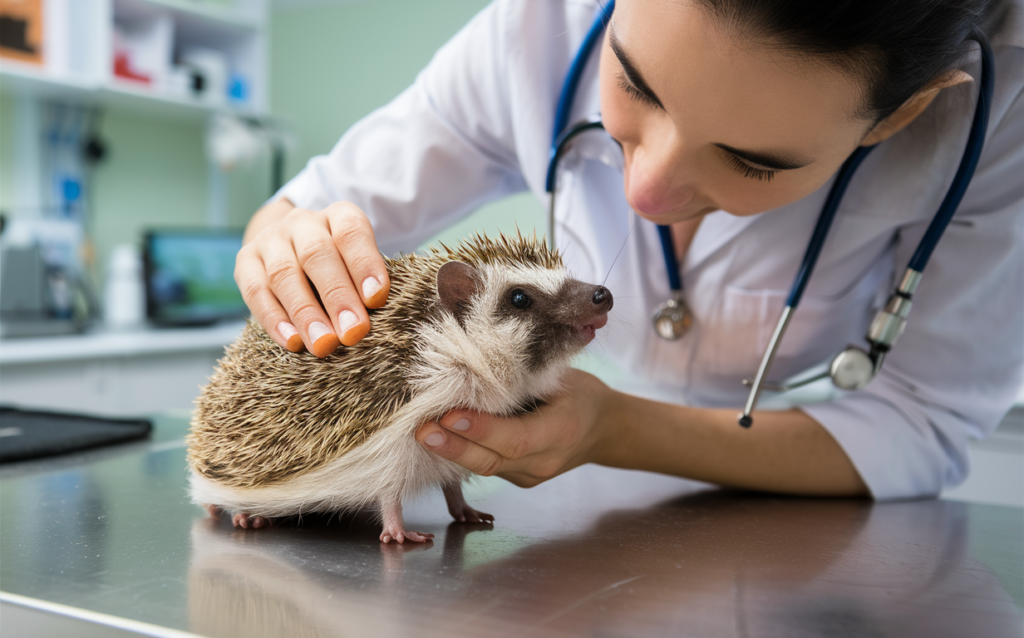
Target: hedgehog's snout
(588, 308)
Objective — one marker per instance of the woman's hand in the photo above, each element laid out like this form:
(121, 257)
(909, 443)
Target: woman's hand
(570, 430)
(291, 255)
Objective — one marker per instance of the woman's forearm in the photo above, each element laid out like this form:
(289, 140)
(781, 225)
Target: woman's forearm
(268, 214)
(787, 452)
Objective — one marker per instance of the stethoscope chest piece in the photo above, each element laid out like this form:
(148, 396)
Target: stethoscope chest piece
(852, 369)
(672, 319)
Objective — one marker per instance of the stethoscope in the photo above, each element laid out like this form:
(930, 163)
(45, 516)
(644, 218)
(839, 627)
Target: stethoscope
(854, 367)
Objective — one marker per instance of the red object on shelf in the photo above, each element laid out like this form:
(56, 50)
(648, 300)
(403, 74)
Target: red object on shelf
(123, 69)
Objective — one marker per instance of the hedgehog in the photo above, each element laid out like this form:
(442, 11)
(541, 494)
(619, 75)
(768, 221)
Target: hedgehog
(490, 325)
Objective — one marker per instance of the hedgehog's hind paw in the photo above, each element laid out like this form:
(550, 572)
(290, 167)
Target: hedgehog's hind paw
(394, 526)
(246, 520)
(401, 535)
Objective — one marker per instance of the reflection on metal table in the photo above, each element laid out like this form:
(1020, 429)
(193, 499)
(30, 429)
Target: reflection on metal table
(106, 543)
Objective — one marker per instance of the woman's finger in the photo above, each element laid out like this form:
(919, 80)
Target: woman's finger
(289, 284)
(353, 235)
(252, 282)
(318, 257)
(511, 438)
(448, 445)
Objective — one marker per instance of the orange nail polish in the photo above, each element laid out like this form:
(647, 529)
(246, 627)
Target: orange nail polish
(354, 334)
(378, 299)
(325, 345)
(294, 343)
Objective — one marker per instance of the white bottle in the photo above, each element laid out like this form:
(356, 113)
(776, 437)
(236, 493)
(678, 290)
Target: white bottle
(124, 299)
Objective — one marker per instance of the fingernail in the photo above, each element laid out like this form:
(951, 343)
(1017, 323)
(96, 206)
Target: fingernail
(351, 330)
(324, 341)
(461, 425)
(346, 320)
(434, 439)
(291, 336)
(370, 287)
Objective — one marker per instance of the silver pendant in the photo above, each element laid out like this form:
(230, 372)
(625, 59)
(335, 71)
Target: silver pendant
(672, 319)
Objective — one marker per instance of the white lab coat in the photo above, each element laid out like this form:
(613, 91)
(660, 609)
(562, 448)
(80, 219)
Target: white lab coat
(476, 126)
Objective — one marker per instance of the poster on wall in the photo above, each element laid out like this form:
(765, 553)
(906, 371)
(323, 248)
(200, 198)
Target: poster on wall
(21, 30)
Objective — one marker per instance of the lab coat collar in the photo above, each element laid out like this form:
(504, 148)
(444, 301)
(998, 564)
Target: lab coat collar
(715, 231)
(1011, 32)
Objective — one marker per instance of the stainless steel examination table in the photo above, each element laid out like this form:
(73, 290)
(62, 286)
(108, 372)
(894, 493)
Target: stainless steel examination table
(106, 543)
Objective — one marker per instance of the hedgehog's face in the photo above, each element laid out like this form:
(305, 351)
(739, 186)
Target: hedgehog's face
(538, 315)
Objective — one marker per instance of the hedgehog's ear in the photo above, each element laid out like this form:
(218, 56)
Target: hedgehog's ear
(457, 282)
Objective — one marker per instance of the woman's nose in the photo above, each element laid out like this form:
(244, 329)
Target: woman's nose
(658, 181)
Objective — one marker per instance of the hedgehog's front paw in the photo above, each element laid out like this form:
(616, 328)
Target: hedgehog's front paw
(245, 521)
(460, 509)
(467, 514)
(396, 533)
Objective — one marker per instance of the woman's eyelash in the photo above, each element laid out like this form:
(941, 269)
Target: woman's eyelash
(748, 170)
(634, 92)
(760, 174)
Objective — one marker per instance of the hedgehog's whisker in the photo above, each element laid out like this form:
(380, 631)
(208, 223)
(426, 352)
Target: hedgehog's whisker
(632, 222)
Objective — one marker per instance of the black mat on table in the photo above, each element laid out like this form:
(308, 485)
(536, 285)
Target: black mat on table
(29, 434)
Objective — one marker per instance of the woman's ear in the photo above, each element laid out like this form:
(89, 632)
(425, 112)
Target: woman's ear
(913, 107)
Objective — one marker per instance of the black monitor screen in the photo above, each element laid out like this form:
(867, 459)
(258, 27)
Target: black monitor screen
(190, 276)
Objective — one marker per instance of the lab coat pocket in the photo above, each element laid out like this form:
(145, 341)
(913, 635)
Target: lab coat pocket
(820, 327)
(743, 328)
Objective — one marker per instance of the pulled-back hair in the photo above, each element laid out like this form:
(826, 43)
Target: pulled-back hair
(896, 46)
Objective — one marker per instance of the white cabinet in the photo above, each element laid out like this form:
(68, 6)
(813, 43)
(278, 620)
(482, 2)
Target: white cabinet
(170, 57)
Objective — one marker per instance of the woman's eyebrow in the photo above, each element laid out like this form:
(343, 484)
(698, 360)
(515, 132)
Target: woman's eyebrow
(630, 70)
(769, 159)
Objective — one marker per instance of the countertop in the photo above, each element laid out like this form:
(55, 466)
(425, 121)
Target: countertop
(105, 344)
(110, 536)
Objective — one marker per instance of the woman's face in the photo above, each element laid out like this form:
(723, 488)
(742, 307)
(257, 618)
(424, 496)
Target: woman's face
(708, 121)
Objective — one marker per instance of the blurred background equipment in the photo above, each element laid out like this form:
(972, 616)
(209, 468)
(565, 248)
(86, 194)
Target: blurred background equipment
(124, 296)
(190, 276)
(21, 30)
(42, 287)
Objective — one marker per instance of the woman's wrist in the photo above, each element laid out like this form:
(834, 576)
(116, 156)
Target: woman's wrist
(612, 431)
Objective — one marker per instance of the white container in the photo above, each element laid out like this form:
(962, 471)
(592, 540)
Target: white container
(212, 65)
(124, 299)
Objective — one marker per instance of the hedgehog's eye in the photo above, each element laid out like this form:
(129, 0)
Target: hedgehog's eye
(519, 299)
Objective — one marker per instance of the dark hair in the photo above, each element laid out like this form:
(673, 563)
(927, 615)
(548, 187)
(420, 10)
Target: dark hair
(896, 46)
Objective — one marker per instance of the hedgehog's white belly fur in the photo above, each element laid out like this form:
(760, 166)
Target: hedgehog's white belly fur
(390, 465)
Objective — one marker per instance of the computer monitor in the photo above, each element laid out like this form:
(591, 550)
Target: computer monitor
(190, 276)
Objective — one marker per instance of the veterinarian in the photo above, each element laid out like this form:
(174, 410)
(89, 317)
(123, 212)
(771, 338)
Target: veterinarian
(732, 124)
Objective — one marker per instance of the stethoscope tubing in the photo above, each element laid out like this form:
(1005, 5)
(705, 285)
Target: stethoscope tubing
(572, 79)
(824, 224)
(968, 163)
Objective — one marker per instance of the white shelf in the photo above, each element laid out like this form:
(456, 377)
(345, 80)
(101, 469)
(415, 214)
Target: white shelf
(22, 79)
(19, 76)
(207, 11)
(112, 345)
(82, 71)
